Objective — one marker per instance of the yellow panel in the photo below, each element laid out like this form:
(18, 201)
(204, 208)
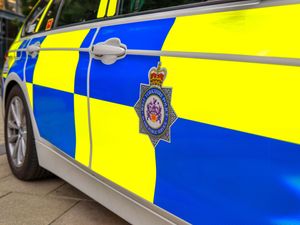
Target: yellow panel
(12, 56)
(112, 7)
(270, 31)
(19, 34)
(82, 130)
(102, 8)
(255, 98)
(15, 45)
(56, 69)
(120, 152)
(30, 93)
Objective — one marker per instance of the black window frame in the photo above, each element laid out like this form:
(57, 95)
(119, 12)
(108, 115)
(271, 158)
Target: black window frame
(174, 8)
(74, 24)
(120, 16)
(23, 32)
(56, 17)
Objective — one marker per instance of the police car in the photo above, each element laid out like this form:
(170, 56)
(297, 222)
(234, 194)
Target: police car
(165, 112)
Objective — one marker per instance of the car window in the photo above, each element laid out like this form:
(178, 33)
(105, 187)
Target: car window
(50, 17)
(77, 11)
(35, 17)
(131, 6)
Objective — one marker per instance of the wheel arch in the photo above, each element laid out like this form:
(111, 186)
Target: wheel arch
(12, 80)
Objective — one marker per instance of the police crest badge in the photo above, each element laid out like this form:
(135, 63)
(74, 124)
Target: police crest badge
(154, 107)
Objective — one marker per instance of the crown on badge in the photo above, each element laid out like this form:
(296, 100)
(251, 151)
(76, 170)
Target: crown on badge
(157, 75)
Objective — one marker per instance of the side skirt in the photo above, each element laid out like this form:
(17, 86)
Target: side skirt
(103, 192)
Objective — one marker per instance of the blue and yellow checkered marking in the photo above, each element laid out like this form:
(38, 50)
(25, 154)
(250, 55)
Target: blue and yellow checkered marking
(18, 59)
(60, 111)
(83, 64)
(111, 83)
(31, 61)
(238, 133)
(234, 149)
(242, 178)
(223, 108)
(83, 153)
(54, 114)
(57, 69)
(42, 87)
(30, 67)
(120, 152)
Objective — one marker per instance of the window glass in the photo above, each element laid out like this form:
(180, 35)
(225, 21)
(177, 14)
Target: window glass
(35, 17)
(130, 6)
(77, 11)
(50, 16)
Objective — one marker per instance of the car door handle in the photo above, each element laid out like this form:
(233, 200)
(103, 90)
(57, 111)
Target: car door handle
(33, 50)
(110, 51)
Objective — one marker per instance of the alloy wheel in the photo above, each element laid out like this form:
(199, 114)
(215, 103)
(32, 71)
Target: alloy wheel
(17, 131)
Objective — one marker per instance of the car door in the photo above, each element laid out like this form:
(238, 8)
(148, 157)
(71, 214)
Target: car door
(56, 77)
(120, 152)
(180, 118)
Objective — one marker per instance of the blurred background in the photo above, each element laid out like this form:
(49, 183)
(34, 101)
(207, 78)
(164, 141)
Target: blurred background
(12, 15)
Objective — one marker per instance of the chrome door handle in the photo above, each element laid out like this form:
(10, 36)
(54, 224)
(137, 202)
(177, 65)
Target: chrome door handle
(110, 51)
(33, 50)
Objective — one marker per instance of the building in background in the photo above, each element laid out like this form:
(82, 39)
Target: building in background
(11, 5)
(11, 18)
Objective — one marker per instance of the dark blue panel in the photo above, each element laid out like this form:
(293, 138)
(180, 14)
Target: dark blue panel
(88, 39)
(54, 114)
(82, 67)
(148, 35)
(18, 66)
(81, 74)
(31, 62)
(211, 175)
(23, 46)
(120, 82)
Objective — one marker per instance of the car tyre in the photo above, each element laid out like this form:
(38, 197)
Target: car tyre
(19, 138)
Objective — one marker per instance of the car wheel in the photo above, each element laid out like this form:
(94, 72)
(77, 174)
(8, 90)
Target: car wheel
(19, 138)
